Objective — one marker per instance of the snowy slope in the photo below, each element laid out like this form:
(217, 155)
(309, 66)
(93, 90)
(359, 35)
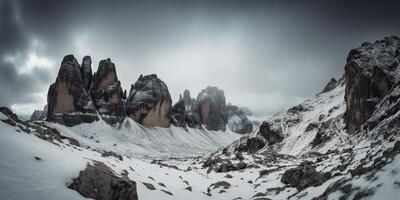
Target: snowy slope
(131, 139)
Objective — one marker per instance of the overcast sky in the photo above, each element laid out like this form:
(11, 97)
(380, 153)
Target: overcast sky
(266, 55)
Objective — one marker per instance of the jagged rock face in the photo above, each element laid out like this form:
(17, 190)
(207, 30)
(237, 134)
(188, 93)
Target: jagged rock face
(68, 101)
(149, 102)
(332, 84)
(303, 176)
(86, 72)
(178, 114)
(272, 136)
(237, 120)
(99, 182)
(212, 108)
(370, 73)
(107, 93)
(39, 114)
(186, 112)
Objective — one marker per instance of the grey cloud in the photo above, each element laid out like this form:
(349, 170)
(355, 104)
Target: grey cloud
(259, 52)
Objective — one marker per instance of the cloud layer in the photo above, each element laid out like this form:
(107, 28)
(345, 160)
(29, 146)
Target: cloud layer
(266, 55)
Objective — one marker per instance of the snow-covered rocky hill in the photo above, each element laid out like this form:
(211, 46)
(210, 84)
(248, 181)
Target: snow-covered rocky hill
(343, 143)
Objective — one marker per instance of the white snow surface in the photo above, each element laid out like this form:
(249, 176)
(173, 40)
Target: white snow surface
(132, 139)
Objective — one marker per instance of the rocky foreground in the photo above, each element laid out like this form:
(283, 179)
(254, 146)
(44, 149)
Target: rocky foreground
(344, 143)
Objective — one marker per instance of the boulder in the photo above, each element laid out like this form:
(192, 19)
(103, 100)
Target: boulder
(212, 108)
(149, 102)
(107, 93)
(303, 176)
(98, 181)
(237, 120)
(68, 101)
(370, 73)
(272, 136)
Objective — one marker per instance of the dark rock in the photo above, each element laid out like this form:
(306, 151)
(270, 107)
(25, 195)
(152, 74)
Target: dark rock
(68, 96)
(99, 182)
(167, 192)
(302, 177)
(241, 165)
(107, 93)
(178, 114)
(192, 114)
(370, 73)
(212, 108)
(149, 102)
(254, 144)
(86, 70)
(228, 176)
(188, 188)
(113, 154)
(332, 84)
(39, 114)
(237, 120)
(38, 158)
(311, 126)
(149, 186)
(269, 134)
(161, 184)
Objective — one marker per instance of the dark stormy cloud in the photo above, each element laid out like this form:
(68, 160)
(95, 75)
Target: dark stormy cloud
(266, 55)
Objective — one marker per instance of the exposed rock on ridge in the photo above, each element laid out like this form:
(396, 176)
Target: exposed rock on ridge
(107, 93)
(370, 73)
(68, 101)
(149, 102)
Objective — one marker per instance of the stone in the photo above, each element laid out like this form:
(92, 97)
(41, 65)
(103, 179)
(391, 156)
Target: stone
(303, 176)
(86, 70)
(68, 101)
(98, 181)
(212, 108)
(149, 102)
(269, 134)
(107, 93)
(370, 73)
(237, 120)
(332, 84)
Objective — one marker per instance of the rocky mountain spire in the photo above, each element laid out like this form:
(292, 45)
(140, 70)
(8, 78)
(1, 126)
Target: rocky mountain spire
(107, 93)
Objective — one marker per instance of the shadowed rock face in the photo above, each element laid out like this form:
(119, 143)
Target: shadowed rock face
(99, 182)
(149, 102)
(186, 112)
(237, 120)
(212, 107)
(107, 93)
(370, 73)
(86, 72)
(269, 134)
(68, 101)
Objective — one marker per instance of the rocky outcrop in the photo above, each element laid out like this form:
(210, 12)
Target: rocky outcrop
(212, 108)
(178, 114)
(303, 176)
(149, 102)
(107, 93)
(332, 84)
(271, 135)
(86, 71)
(237, 120)
(98, 181)
(370, 73)
(68, 101)
(186, 112)
(39, 114)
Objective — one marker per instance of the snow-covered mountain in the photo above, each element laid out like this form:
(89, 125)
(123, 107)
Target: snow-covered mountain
(343, 143)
